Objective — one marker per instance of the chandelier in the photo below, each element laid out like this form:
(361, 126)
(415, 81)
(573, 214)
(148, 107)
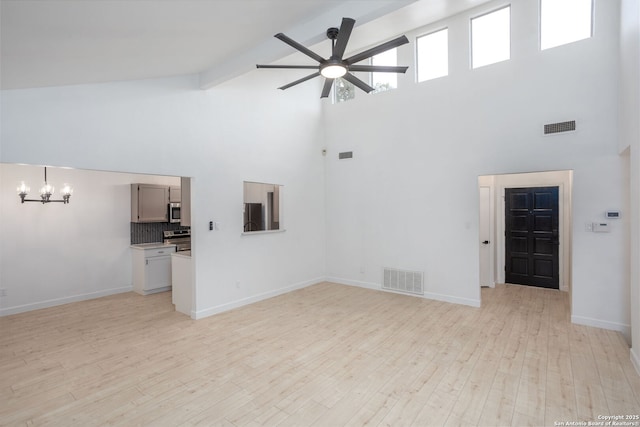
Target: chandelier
(45, 192)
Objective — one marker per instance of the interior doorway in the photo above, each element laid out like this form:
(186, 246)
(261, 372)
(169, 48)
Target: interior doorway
(492, 229)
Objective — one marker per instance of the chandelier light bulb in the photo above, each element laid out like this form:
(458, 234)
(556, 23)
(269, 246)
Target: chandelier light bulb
(47, 189)
(23, 188)
(66, 190)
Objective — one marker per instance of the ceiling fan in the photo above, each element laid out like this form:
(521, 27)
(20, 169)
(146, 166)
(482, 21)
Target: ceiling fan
(337, 66)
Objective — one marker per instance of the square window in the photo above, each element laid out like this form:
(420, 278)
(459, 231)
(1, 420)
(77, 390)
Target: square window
(432, 55)
(564, 21)
(384, 81)
(343, 90)
(491, 38)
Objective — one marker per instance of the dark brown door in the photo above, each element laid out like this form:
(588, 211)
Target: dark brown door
(531, 236)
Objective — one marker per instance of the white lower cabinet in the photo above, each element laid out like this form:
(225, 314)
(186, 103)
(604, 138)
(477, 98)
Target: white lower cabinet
(152, 268)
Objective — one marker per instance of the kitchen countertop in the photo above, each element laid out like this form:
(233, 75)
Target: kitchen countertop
(156, 245)
(185, 254)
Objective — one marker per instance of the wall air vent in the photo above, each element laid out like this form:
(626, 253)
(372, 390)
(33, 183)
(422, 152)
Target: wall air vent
(552, 128)
(345, 155)
(410, 282)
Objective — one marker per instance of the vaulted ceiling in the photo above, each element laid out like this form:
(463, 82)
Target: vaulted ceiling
(66, 42)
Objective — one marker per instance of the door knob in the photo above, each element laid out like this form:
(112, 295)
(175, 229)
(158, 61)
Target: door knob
(486, 242)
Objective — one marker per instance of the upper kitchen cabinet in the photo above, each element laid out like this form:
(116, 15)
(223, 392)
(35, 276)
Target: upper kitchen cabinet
(175, 194)
(149, 203)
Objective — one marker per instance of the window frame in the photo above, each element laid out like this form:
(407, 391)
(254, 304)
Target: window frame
(277, 207)
(417, 69)
(371, 83)
(592, 23)
(334, 91)
(497, 9)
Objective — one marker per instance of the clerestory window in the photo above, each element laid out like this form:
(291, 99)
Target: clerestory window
(491, 37)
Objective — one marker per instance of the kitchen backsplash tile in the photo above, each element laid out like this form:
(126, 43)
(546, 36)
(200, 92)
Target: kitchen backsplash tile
(151, 232)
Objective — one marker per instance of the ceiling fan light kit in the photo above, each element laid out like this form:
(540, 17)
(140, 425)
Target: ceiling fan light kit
(333, 71)
(337, 66)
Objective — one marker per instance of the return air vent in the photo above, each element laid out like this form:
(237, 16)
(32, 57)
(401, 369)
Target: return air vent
(345, 155)
(552, 128)
(403, 281)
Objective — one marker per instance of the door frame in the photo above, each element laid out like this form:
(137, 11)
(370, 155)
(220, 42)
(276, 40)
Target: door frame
(561, 179)
(489, 269)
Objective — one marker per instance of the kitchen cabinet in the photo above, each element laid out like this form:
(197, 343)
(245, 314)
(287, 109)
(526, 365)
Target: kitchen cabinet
(152, 268)
(149, 203)
(175, 194)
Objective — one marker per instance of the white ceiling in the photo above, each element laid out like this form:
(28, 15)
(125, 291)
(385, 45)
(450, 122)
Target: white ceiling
(66, 42)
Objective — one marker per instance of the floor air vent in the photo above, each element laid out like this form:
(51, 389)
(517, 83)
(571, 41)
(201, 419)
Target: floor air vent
(403, 281)
(552, 128)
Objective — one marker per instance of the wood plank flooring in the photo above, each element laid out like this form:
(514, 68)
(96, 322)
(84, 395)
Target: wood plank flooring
(326, 355)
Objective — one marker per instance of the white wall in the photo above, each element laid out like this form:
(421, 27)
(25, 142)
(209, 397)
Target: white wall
(409, 197)
(630, 140)
(243, 130)
(55, 253)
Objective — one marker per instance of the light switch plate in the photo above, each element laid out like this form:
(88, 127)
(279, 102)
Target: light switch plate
(601, 227)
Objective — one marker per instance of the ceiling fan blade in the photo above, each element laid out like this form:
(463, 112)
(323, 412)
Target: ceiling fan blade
(378, 49)
(343, 37)
(357, 82)
(378, 68)
(292, 67)
(294, 44)
(326, 88)
(304, 79)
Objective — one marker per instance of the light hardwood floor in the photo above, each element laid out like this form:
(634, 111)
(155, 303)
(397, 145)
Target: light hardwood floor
(326, 355)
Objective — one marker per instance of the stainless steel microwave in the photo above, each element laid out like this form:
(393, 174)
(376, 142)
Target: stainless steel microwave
(174, 212)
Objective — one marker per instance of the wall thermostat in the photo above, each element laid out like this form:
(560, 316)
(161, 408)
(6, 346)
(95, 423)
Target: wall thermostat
(612, 214)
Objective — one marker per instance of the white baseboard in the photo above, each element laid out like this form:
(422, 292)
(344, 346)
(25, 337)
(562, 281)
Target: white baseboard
(635, 360)
(454, 300)
(427, 295)
(59, 301)
(356, 283)
(200, 314)
(604, 324)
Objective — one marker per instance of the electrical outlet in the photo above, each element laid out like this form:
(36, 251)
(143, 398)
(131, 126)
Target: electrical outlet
(3, 292)
(238, 284)
(588, 226)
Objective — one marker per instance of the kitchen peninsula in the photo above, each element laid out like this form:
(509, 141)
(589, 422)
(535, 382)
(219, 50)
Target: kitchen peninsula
(182, 281)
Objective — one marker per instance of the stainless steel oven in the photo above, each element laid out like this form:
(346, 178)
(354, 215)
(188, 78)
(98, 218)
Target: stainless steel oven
(180, 238)
(174, 212)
